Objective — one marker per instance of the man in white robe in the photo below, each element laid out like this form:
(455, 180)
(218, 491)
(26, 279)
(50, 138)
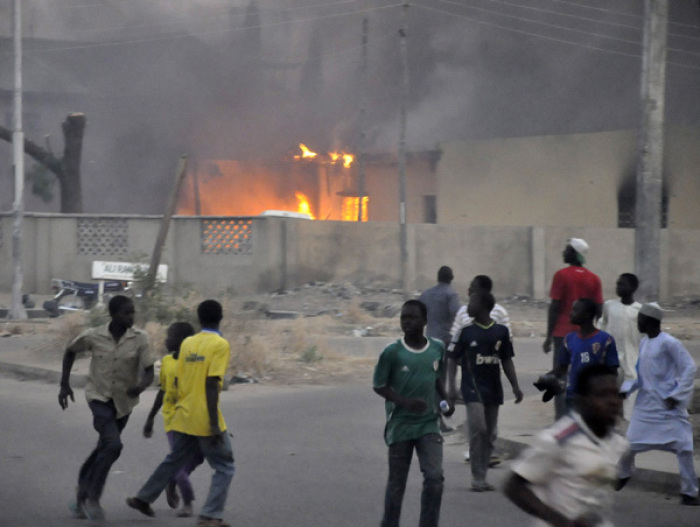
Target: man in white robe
(659, 421)
(620, 320)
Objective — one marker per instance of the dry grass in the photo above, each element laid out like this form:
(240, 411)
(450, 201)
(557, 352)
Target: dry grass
(287, 351)
(156, 334)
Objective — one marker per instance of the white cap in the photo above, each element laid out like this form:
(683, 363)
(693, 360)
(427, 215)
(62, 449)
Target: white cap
(579, 245)
(652, 310)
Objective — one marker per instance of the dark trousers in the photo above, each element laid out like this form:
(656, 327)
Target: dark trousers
(560, 408)
(94, 472)
(429, 451)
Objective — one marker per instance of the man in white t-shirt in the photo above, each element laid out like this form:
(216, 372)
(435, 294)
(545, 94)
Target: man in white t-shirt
(567, 477)
(620, 320)
(498, 313)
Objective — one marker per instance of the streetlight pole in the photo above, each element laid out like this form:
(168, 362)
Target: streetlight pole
(403, 237)
(648, 195)
(17, 309)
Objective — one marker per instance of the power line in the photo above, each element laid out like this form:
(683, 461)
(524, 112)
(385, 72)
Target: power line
(547, 37)
(557, 26)
(191, 35)
(616, 12)
(222, 7)
(186, 18)
(538, 22)
(586, 18)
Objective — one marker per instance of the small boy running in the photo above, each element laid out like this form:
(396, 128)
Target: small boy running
(620, 320)
(481, 350)
(584, 347)
(166, 399)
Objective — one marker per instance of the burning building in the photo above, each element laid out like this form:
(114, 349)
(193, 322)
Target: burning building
(325, 186)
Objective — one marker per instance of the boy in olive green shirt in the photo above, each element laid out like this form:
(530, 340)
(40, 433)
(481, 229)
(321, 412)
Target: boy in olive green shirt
(408, 376)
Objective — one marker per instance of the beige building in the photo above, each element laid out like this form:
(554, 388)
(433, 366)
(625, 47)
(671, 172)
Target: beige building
(580, 180)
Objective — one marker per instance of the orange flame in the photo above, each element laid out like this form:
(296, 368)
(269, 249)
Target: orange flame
(305, 152)
(350, 208)
(304, 206)
(332, 159)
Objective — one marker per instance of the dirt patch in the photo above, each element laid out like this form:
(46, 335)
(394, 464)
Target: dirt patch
(282, 337)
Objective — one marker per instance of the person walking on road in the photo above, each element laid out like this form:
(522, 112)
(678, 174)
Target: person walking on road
(408, 376)
(620, 320)
(499, 313)
(121, 368)
(197, 423)
(584, 347)
(480, 351)
(442, 302)
(568, 285)
(566, 478)
(166, 398)
(659, 421)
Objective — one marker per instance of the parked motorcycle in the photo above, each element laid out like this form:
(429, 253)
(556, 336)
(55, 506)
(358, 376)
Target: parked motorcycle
(72, 296)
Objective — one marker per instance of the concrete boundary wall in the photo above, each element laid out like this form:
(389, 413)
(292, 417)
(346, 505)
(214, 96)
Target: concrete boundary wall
(286, 253)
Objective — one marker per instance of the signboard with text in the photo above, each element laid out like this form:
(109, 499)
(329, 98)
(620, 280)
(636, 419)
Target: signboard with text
(125, 271)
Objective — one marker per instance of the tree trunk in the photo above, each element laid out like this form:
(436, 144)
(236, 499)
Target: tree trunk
(71, 187)
(66, 169)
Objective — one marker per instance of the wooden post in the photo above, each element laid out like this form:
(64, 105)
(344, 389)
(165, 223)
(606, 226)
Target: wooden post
(165, 224)
(648, 196)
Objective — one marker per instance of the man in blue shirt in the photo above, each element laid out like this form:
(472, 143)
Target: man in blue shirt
(584, 347)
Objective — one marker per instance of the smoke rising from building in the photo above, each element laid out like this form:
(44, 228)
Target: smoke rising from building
(251, 79)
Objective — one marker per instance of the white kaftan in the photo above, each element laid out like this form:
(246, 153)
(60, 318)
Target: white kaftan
(665, 369)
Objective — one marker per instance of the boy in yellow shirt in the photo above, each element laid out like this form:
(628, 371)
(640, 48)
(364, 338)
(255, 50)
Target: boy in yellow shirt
(166, 398)
(197, 422)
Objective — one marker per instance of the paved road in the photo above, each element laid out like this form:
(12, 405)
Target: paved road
(310, 456)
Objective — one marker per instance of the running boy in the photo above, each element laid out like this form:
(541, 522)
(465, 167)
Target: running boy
(620, 320)
(166, 398)
(586, 346)
(567, 476)
(481, 350)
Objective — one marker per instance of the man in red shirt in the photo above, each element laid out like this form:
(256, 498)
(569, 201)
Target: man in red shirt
(568, 285)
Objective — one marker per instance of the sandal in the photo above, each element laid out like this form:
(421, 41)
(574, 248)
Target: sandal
(141, 506)
(204, 521)
(76, 509)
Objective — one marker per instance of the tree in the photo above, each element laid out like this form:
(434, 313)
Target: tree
(67, 168)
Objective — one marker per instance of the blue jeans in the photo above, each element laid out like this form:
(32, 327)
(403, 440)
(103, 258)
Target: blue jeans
(185, 448)
(429, 451)
(560, 407)
(93, 474)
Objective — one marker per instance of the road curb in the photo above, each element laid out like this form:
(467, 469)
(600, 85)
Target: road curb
(26, 372)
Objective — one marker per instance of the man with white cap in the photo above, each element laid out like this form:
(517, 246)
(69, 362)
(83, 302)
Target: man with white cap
(568, 285)
(666, 373)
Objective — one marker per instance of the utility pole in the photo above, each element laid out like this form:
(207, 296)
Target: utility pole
(648, 194)
(16, 308)
(403, 238)
(363, 113)
(152, 275)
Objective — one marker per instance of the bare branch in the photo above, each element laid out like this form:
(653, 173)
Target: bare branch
(37, 153)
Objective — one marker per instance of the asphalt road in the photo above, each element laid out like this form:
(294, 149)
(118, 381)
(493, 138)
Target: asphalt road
(305, 456)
